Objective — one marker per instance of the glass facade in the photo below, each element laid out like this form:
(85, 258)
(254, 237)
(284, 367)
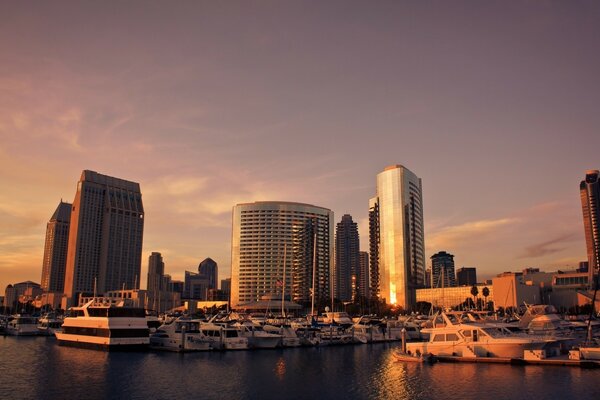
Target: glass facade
(264, 233)
(452, 297)
(590, 204)
(401, 249)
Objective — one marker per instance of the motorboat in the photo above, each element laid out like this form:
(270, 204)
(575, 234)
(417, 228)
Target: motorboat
(49, 324)
(223, 336)
(456, 337)
(22, 325)
(257, 337)
(289, 337)
(181, 335)
(105, 324)
(369, 328)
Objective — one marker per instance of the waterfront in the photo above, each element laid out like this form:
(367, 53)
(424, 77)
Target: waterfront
(37, 368)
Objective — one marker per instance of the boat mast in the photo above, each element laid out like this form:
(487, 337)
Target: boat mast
(312, 308)
(283, 283)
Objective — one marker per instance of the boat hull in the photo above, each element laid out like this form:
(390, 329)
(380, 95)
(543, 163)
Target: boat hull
(103, 343)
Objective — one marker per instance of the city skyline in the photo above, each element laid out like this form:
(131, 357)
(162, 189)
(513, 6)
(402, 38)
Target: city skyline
(494, 108)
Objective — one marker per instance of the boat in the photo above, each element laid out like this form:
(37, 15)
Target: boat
(453, 336)
(223, 336)
(257, 337)
(105, 324)
(49, 324)
(421, 358)
(22, 325)
(289, 337)
(369, 328)
(181, 335)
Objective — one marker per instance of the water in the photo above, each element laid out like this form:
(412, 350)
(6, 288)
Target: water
(37, 368)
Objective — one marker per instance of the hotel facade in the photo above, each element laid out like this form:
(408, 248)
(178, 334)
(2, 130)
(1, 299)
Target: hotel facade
(265, 234)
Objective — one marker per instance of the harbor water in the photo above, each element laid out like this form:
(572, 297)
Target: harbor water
(37, 368)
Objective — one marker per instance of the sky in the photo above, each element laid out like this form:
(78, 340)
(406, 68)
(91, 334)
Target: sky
(212, 103)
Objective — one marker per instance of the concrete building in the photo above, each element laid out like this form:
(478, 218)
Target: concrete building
(454, 297)
(156, 272)
(363, 283)
(16, 296)
(196, 286)
(397, 237)
(466, 276)
(347, 261)
(511, 290)
(589, 190)
(105, 236)
(54, 263)
(226, 287)
(442, 270)
(266, 233)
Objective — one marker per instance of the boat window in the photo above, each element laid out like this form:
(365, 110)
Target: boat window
(451, 337)
(231, 333)
(439, 338)
(466, 334)
(495, 332)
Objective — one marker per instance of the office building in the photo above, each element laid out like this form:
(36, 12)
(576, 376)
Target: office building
(196, 286)
(347, 262)
(466, 276)
(590, 203)
(156, 272)
(54, 263)
(269, 232)
(105, 236)
(397, 240)
(373, 248)
(442, 270)
(209, 268)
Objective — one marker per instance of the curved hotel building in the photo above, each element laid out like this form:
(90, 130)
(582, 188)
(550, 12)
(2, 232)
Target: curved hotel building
(262, 232)
(396, 236)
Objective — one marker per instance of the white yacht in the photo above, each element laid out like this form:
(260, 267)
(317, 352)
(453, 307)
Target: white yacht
(223, 337)
(49, 324)
(454, 337)
(22, 325)
(180, 335)
(257, 337)
(289, 338)
(106, 324)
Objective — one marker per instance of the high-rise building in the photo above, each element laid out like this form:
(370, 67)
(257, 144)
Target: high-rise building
(466, 276)
(266, 233)
(363, 283)
(347, 263)
(442, 270)
(590, 203)
(209, 268)
(374, 248)
(156, 272)
(55, 249)
(196, 286)
(226, 287)
(105, 236)
(396, 226)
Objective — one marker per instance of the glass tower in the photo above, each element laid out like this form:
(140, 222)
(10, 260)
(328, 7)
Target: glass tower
(396, 225)
(55, 249)
(590, 204)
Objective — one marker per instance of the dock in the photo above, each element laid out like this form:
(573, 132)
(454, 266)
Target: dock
(562, 360)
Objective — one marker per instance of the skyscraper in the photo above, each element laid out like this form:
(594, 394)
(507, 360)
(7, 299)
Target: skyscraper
(347, 263)
(363, 285)
(590, 203)
(396, 227)
(105, 236)
(442, 269)
(209, 268)
(466, 276)
(262, 233)
(156, 272)
(55, 249)
(374, 248)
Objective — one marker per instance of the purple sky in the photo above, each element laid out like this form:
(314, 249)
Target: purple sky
(207, 104)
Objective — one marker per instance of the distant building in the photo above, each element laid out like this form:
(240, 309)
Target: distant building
(226, 287)
(105, 236)
(267, 232)
(363, 282)
(196, 286)
(156, 271)
(18, 295)
(454, 297)
(54, 263)
(347, 262)
(209, 268)
(583, 266)
(397, 240)
(160, 293)
(442, 267)
(466, 276)
(374, 248)
(589, 190)
(511, 291)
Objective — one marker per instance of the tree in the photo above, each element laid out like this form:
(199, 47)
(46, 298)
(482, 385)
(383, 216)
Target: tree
(474, 293)
(486, 293)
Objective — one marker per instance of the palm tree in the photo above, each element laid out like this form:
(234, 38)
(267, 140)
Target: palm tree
(486, 293)
(474, 293)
